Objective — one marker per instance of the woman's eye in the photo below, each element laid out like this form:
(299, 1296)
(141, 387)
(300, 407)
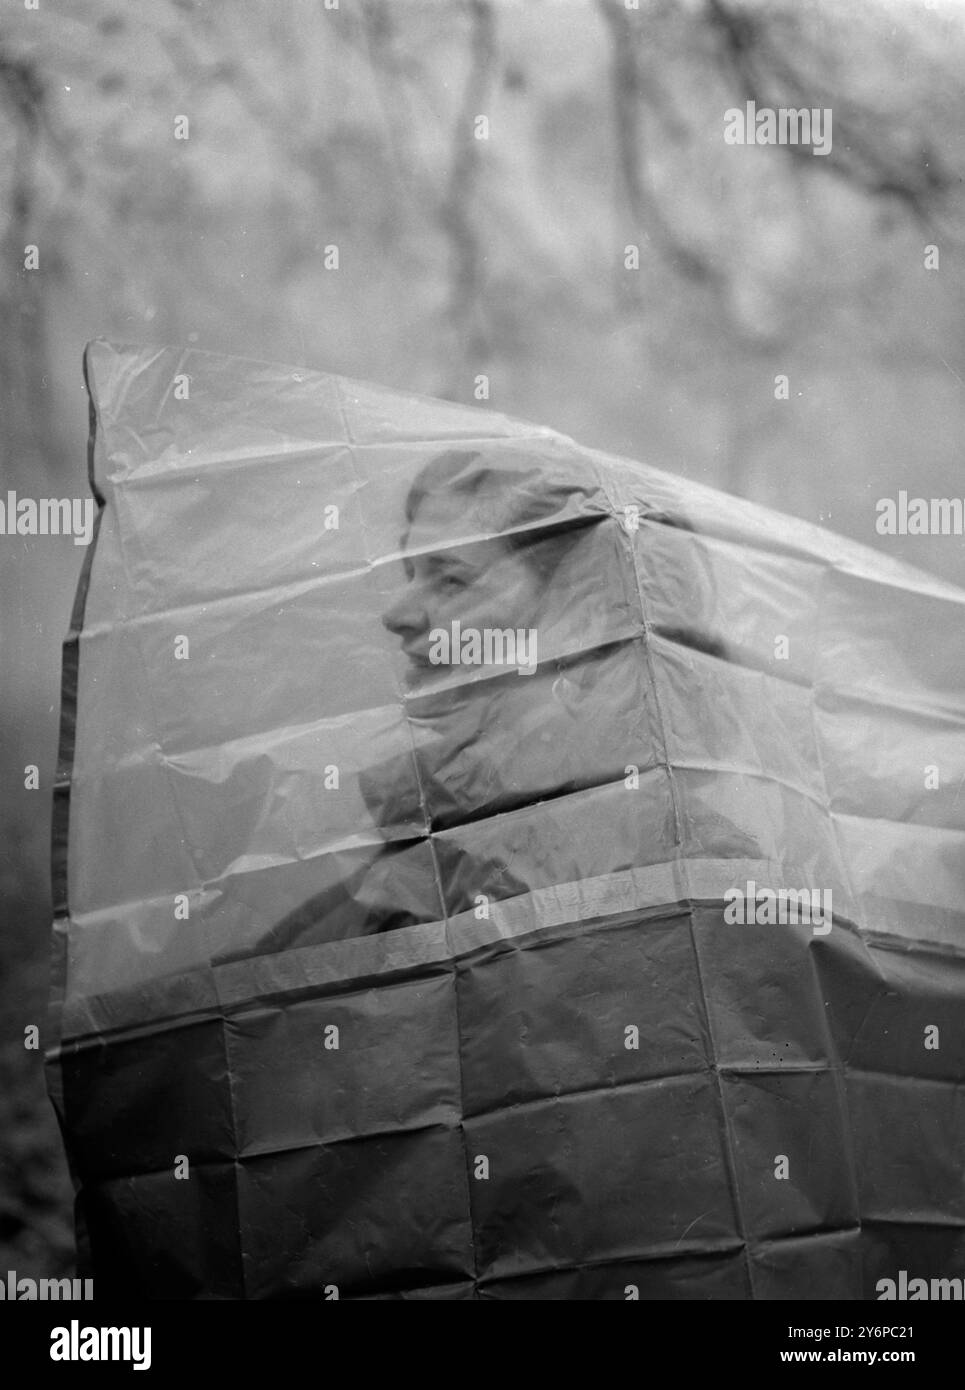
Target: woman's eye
(453, 582)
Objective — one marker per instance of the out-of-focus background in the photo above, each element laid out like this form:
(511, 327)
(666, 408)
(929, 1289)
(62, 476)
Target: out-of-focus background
(465, 249)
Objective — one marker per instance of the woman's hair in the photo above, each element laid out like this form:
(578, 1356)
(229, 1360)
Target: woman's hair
(528, 504)
(510, 501)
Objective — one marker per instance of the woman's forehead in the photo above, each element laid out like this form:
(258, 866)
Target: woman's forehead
(454, 520)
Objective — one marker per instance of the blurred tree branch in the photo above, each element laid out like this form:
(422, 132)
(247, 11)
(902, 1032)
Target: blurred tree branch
(413, 181)
(863, 155)
(630, 85)
(456, 212)
(22, 349)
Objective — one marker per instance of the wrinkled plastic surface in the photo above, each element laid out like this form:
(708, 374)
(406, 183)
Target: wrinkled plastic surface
(426, 973)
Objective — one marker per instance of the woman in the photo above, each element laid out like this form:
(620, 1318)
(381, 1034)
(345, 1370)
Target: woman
(553, 564)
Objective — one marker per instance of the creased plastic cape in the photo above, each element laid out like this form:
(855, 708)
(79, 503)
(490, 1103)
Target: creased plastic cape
(377, 980)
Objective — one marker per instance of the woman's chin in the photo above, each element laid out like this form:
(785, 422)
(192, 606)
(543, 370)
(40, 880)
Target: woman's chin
(424, 685)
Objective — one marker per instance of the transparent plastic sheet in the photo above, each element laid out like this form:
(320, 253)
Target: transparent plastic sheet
(278, 827)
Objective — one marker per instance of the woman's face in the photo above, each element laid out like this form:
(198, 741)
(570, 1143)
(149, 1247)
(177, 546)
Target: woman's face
(481, 585)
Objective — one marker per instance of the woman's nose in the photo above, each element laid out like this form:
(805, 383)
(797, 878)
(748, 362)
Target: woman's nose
(407, 615)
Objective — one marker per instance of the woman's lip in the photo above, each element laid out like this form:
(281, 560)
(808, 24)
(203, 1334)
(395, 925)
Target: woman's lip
(417, 668)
